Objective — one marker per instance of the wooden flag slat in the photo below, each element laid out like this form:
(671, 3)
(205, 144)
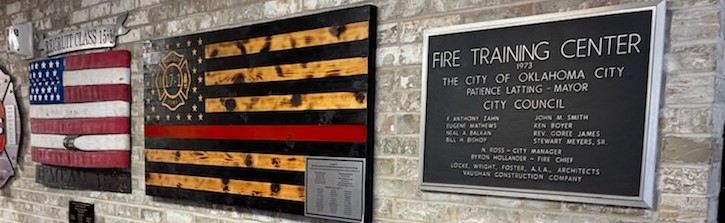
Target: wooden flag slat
(102, 109)
(295, 102)
(228, 172)
(230, 159)
(239, 187)
(313, 37)
(271, 204)
(80, 126)
(287, 72)
(83, 159)
(84, 178)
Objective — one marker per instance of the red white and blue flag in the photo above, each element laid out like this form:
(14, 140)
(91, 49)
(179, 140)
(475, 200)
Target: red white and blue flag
(79, 110)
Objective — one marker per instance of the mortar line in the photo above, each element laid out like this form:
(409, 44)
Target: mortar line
(26, 214)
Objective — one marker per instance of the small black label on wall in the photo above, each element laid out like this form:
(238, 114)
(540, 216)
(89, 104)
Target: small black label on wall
(80, 212)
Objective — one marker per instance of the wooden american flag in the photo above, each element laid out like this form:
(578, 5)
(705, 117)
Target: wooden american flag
(79, 117)
(232, 114)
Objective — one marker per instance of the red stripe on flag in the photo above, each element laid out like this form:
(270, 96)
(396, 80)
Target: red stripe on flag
(310, 133)
(74, 158)
(81, 126)
(93, 93)
(120, 58)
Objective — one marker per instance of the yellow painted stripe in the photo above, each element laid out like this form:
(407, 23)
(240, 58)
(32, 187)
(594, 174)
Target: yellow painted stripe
(238, 187)
(300, 102)
(300, 39)
(286, 72)
(229, 159)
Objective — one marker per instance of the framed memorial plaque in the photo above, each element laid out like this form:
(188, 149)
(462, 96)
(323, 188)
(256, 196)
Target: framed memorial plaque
(561, 106)
(335, 188)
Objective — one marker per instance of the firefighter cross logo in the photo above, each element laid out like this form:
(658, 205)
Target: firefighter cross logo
(173, 81)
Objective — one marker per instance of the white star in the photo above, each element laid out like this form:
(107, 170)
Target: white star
(33, 90)
(42, 65)
(57, 97)
(48, 89)
(32, 97)
(57, 64)
(45, 97)
(50, 64)
(55, 89)
(55, 73)
(42, 90)
(47, 73)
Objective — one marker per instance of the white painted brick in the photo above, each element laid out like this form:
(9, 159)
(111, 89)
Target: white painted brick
(148, 2)
(101, 10)
(278, 8)
(138, 17)
(13, 8)
(123, 6)
(85, 3)
(399, 55)
(178, 217)
(132, 36)
(79, 16)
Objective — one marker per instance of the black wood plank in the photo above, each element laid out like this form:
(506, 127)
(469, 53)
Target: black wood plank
(227, 199)
(356, 83)
(112, 180)
(298, 55)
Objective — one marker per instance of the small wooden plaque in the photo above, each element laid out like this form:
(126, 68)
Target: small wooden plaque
(79, 212)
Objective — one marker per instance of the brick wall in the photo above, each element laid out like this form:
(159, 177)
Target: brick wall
(691, 120)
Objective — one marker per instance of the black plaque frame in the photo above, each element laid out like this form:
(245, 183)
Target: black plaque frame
(646, 195)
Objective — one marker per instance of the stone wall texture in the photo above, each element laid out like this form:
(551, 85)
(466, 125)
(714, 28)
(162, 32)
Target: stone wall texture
(691, 118)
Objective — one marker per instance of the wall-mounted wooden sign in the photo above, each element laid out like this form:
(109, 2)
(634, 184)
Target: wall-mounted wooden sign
(561, 106)
(10, 129)
(79, 117)
(231, 115)
(103, 36)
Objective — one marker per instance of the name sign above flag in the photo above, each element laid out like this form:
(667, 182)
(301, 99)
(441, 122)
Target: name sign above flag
(88, 38)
